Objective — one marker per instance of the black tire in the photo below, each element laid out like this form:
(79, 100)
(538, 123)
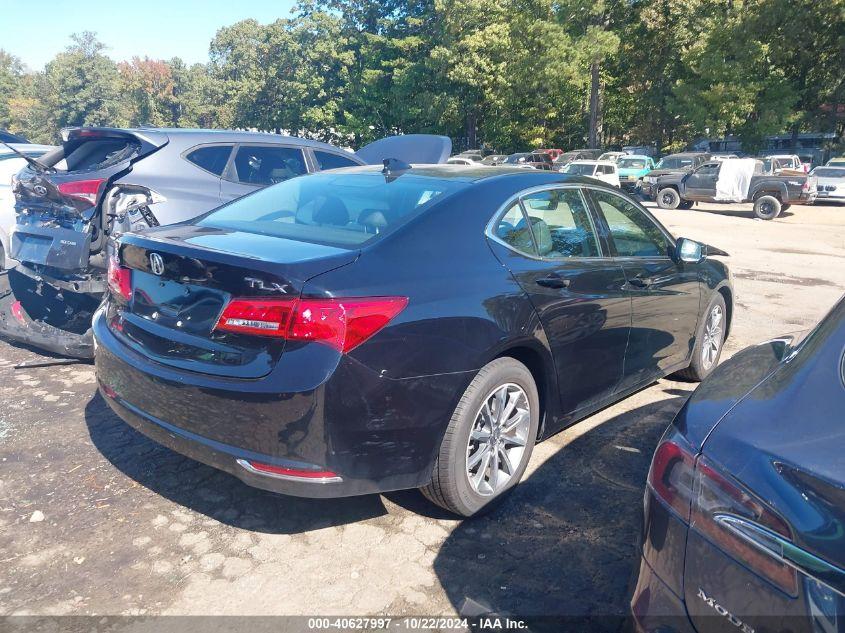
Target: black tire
(668, 198)
(450, 486)
(699, 368)
(767, 207)
(686, 204)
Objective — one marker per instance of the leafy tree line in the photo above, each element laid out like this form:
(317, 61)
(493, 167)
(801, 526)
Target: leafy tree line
(508, 74)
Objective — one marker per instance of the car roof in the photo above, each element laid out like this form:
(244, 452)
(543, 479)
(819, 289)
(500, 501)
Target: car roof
(686, 155)
(588, 161)
(196, 136)
(636, 156)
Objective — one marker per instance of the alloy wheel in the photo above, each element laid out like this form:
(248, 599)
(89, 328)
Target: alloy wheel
(712, 337)
(498, 439)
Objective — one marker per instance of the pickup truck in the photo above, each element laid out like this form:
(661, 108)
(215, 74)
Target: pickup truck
(771, 194)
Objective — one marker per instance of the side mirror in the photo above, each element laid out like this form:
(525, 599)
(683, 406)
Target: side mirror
(690, 251)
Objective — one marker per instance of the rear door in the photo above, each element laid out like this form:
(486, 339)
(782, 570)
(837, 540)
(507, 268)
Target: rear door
(548, 240)
(255, 165)
(664, 295)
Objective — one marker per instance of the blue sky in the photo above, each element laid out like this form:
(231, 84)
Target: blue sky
(35, 30)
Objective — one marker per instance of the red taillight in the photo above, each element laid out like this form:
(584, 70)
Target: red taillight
(119, 279)
(86, 190)
(340, 323)
(671, 476)
(289, 473)
(717, 502)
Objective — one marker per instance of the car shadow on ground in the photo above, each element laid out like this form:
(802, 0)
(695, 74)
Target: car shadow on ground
(735, 213)
(565, 542)
(211, 492)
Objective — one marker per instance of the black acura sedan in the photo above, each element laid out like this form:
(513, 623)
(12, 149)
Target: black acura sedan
(369, 330)
(745, 502)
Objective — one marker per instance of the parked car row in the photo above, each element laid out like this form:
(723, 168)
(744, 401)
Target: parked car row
(101, 182)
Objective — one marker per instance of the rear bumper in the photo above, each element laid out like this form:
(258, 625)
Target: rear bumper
(16, 325)
(376, 434)
(655, 607)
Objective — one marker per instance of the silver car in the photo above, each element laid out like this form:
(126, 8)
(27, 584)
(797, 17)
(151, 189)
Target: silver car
(101, 182)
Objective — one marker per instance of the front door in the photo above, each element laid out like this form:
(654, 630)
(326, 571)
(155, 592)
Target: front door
(664, 294)
(701, 183)
(550, 245)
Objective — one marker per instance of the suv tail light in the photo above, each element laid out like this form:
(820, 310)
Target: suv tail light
(86, 190)
(340, 323)
(119, 278)
(717, 506)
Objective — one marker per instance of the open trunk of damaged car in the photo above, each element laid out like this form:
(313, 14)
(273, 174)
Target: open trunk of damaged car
(67, 205)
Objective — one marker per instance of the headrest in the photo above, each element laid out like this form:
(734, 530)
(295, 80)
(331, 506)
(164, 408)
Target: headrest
(332, 211)
(373, 220)
(543, 236)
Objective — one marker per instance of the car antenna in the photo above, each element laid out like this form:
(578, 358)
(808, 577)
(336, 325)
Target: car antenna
(393, 168)
(39, 167)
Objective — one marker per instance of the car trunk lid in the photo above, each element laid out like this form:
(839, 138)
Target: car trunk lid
(58, 209)
(183, 277)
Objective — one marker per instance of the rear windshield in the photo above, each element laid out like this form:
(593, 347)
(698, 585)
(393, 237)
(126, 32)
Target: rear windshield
(93, 154)
(580, 169)
(337, 209)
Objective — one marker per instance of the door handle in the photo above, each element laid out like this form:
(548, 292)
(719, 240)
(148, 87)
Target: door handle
(641, 282)
(553, 280)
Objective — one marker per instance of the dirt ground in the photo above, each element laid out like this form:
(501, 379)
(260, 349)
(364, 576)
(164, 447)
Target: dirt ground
(97, 520)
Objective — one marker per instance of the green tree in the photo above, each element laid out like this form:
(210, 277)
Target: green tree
(82, 86)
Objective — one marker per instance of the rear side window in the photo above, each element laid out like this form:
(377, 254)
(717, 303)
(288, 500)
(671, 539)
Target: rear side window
(93, 154)
(561, 224)
(327, 160)
(513, 230)
(211, 158)
(339, 209)
(267, 165)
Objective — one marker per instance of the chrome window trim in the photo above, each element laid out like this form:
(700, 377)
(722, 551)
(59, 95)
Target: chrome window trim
(517, 198)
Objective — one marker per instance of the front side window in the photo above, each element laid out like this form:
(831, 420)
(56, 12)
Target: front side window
(632, 232)
(327, 160)
(211, 158)
(708, 170)
(561, 224)
(266, 165)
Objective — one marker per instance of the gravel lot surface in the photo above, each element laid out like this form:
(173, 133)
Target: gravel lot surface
(96, 519)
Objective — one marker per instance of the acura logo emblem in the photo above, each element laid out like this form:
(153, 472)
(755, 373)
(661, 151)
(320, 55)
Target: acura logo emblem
(156, 264)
